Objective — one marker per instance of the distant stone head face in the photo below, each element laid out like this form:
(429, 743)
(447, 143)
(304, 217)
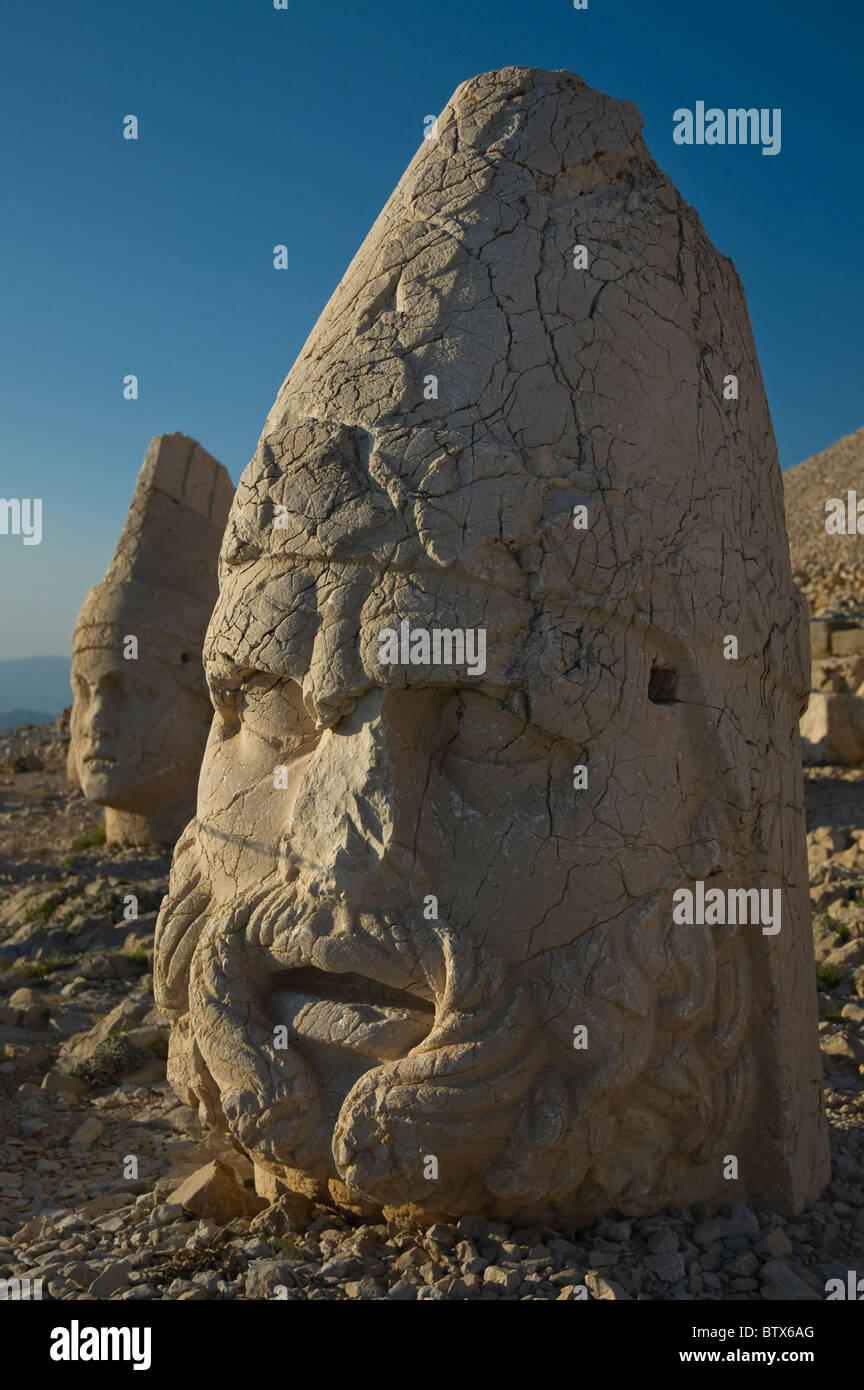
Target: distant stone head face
(477, 717)
(138, 725)
(141, 710)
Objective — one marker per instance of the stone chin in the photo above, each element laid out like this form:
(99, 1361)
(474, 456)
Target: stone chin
(108, 787)
(462, 1092)
(136, 786)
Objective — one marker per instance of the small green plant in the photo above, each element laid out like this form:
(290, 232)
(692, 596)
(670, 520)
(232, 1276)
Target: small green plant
(284, 1249)
(112, 1058)
(38, 969)
(46, 907)
(836, 925)
(7, 1053)
(138, 956)
(85, 842)
(93, 837)
(831, 975)
(834, 1016)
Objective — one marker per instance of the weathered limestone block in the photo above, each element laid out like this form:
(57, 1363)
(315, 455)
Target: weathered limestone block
(215, 1191)
(832, 729)
(820, 638)
(835, 637)
(141, 712)
(832, 726)
(478, 717)
(847, 641)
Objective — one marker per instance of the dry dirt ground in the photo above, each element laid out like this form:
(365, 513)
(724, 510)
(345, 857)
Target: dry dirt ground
(94, 1144)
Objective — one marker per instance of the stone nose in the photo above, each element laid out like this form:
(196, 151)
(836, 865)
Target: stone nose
(358, 808)
(98, 715)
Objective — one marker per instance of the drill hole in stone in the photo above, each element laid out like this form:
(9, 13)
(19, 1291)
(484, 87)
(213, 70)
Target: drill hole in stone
(184, 657)
(663, 686)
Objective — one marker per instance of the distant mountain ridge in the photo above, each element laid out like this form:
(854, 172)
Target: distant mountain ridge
(10, 719)
(34, 688)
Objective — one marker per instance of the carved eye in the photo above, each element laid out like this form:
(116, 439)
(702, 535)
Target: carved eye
(224, 697)
(663, 686)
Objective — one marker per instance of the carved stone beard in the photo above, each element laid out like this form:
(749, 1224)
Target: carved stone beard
(442, 1056)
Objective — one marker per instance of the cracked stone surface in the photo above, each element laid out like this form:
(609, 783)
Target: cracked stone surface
(139, 725)
(395, 908)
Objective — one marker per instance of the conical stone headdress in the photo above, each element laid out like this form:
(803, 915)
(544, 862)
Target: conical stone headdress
(162, 583)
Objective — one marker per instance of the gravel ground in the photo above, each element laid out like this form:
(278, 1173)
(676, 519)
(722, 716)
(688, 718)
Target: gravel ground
(96, 1145)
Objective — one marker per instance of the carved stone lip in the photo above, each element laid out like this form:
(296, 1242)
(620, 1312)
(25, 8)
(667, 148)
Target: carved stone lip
(350, 1012)
(350, 966)
(348, 987)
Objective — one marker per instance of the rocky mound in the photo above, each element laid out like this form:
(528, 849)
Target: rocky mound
(36, 747)
(828, 568)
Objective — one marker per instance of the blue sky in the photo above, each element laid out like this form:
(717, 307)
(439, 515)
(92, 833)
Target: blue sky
(260, 126)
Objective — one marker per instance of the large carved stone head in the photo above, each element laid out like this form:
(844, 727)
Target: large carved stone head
(141, 710)
(476, 721)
